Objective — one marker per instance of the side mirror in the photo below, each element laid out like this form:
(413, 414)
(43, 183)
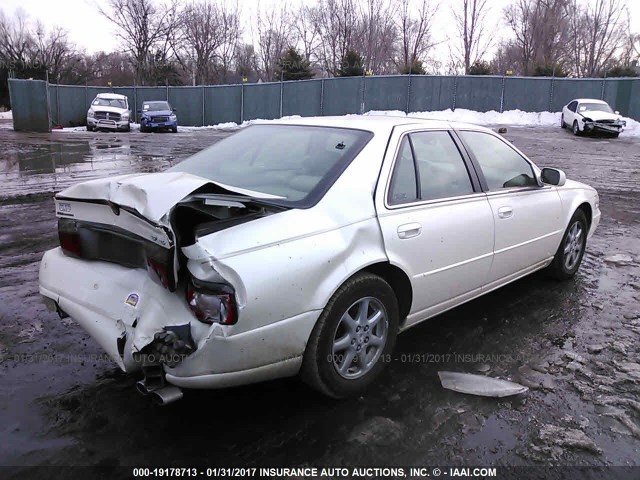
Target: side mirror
(175, 109)
(553, 176)
(617, 112)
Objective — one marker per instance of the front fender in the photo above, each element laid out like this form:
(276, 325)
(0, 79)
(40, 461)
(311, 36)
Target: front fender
(575, 194)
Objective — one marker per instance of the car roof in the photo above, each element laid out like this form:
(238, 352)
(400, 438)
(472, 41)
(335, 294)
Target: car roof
(111, 96)
(155, 101)
(376, 123)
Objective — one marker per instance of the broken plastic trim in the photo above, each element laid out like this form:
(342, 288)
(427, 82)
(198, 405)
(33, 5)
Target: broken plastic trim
(479, 385)
(169, 347)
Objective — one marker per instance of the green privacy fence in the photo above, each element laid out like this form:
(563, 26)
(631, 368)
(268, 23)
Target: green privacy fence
(67, 105)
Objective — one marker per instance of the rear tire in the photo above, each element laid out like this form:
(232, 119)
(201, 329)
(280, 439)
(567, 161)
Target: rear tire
(353, 338)
(568, 257)
(615, 135)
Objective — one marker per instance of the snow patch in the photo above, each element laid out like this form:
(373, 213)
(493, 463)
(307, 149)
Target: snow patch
(512, 118)
(6, 115)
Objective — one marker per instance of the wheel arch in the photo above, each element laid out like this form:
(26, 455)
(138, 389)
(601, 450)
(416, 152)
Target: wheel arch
(588, 212)
(397, 279)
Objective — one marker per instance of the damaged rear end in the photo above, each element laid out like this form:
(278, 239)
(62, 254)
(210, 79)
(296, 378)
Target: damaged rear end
(120, 271)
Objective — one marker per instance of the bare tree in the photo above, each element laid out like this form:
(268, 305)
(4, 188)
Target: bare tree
(145, 27)
(306, 30)
(471, 25)
(246, 60)
(273, 38)
(378, 36)
(28, 47)
(414, 30)
(599, 32)
(16, 39)
(54, 51)
(541, 29)
(337, 23)
(507, 58)
(231, 32)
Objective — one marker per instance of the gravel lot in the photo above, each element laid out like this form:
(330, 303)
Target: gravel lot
(575, 344)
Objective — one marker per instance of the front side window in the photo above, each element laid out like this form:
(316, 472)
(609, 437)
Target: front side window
(429, 167)
(501, 165)
(293, 164)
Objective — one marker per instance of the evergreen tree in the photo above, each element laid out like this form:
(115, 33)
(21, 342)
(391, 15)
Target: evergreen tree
(621, 71)
(416, 68)
(292, 66)
(549, 70)
(480, 68)
(352, 65)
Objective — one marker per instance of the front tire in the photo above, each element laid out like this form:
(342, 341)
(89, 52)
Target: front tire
(562, 124)
(576, 128)
(353, 338)
(568, 257)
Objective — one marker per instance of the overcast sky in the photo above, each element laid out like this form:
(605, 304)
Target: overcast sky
(90, 30)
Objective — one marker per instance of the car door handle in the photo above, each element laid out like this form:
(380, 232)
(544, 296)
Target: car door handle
(409, 230)
(505, 212)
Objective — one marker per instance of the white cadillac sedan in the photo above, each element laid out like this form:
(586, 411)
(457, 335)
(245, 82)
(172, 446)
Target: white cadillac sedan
(304, 247)
(588, 115)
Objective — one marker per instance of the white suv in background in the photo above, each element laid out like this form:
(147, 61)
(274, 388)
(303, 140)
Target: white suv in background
(109, 111)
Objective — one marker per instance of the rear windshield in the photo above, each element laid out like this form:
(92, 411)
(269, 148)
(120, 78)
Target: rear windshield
(296, 163)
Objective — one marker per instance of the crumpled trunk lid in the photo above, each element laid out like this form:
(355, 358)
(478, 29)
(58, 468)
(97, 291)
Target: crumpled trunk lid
(142, 220)
(150, 195)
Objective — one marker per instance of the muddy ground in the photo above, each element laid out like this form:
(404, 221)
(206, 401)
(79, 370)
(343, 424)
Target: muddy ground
(575, 344)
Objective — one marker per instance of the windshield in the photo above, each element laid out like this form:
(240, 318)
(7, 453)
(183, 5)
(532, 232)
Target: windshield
(155, 106)
(110, 102)
(297, 163)
(597, 107)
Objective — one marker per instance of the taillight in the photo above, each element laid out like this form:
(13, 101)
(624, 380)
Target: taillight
(160, 270)
(212, 303)
(70, 241)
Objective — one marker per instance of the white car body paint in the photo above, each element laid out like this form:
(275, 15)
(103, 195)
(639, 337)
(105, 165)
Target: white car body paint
(286, 266)
(612, 122)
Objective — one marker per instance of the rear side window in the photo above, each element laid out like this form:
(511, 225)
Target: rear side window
(501, 165)
(404, 187)
(442, 170)
(429, 166)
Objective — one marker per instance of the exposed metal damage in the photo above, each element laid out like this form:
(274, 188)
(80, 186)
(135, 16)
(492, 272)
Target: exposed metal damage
(114, 222)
